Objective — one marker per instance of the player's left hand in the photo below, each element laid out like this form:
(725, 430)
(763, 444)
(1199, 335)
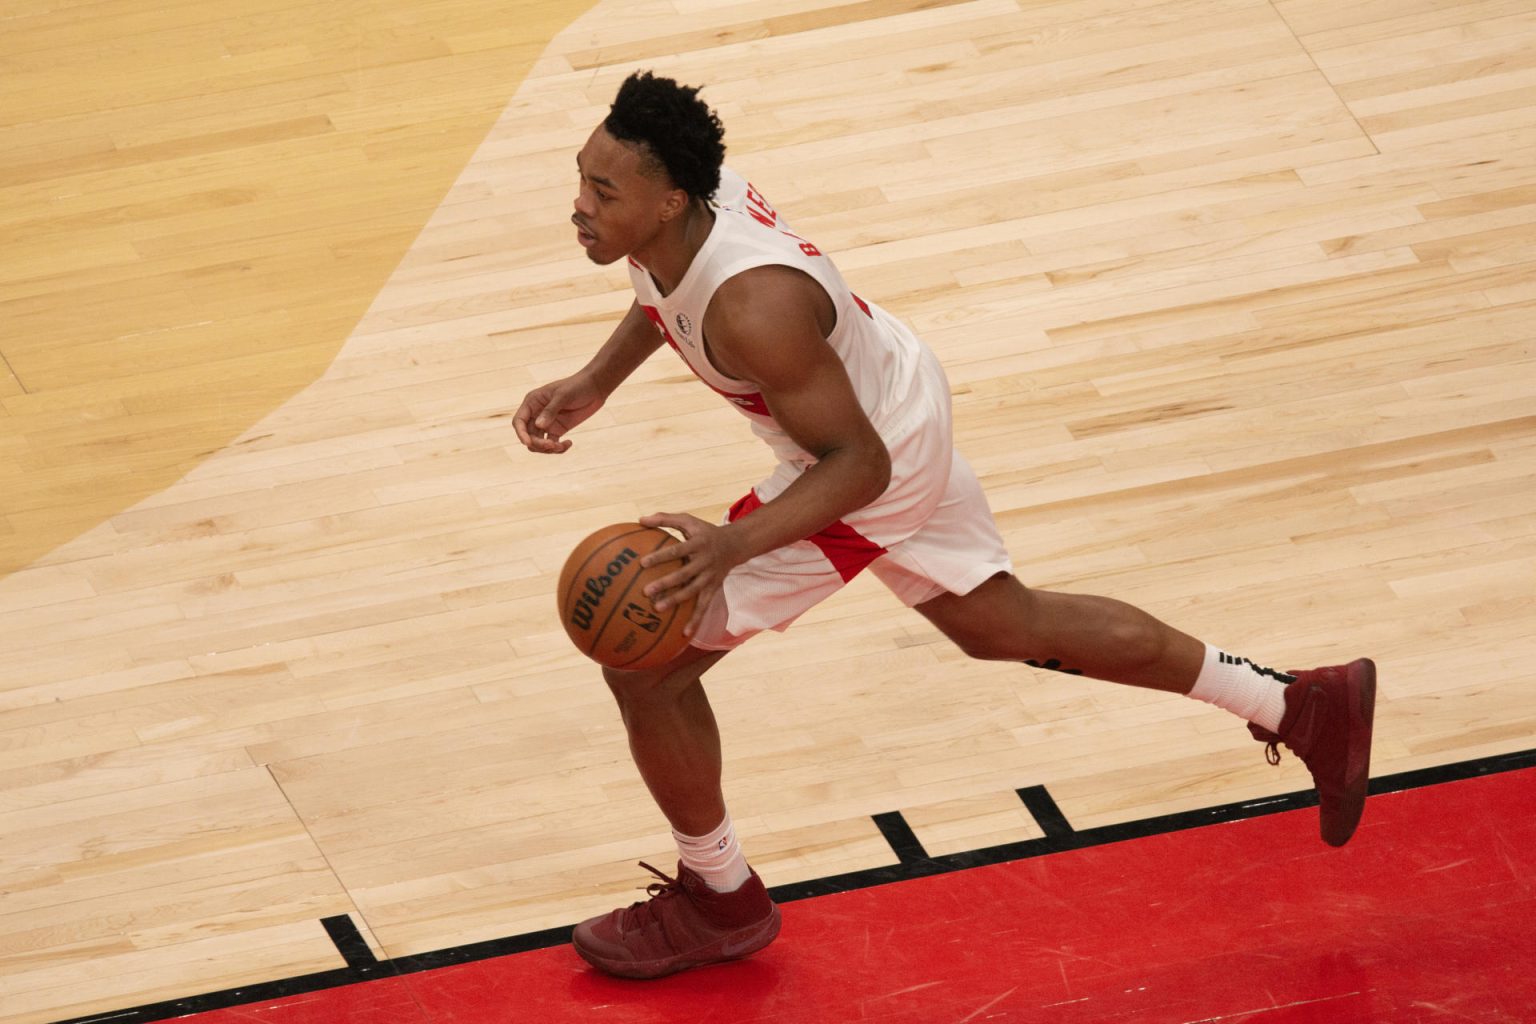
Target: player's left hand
(707, 554)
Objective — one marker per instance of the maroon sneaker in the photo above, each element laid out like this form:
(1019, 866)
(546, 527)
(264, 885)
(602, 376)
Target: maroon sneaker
(1327, 723)
(684, 924)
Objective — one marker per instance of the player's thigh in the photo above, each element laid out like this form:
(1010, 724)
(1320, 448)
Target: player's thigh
(955, 553)
(993, 621)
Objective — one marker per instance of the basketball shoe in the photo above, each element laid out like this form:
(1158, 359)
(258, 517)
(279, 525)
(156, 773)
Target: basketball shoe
(684, 924)
(1328, 717)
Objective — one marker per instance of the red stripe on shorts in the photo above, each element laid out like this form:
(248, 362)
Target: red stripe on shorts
(849, 551)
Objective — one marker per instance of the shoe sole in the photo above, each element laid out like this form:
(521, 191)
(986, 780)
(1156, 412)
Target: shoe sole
(732, 946)
(1360, 677)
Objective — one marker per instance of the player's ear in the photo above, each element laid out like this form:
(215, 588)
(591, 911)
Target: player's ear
(676, 202)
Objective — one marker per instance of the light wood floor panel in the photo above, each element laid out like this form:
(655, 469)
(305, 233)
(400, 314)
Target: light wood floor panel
(155, 260)
(1383, 22)
(214, 866)
(1236, 300)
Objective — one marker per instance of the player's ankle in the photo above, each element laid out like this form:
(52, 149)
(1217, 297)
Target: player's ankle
(1252, 692)
(715, 856)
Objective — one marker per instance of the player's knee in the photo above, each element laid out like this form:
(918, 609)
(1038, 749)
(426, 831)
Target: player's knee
(650, 686)
(993, 622)
(667, 683)
(628, 687)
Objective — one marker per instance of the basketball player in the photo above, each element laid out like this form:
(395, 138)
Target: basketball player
(857, 412)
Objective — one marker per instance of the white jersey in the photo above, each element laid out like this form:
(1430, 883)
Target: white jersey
(883, 358)
(929, 533)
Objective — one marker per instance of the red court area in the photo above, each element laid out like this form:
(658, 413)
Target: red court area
(1428, 915)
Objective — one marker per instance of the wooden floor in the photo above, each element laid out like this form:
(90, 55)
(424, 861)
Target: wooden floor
(1238, 299)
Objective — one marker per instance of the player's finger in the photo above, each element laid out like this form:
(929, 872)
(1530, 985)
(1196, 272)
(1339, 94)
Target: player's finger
(520, 424)
(670, 589)
(675, 552)
(682, 522)
(659, 520)
(688, 583)
(670, 553)
(707, 597)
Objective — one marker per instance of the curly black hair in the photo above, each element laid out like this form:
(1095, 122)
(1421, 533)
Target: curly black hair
(681, 135)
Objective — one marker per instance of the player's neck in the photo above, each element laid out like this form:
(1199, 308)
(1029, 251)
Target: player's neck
(670, 254)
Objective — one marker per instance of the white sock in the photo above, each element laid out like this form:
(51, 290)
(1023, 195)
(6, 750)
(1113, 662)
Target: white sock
(1251, 692)
(717, 857)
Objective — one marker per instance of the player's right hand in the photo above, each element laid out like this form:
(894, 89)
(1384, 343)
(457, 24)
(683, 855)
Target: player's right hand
(549, 412)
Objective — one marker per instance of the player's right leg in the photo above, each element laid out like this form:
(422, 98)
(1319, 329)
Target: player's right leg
(673, 737)
(716, 908)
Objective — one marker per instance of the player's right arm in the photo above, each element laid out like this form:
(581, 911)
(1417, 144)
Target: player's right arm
(553, 410)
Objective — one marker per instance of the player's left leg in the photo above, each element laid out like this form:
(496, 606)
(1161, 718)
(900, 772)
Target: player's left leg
(1324, 715)
(1003, 620)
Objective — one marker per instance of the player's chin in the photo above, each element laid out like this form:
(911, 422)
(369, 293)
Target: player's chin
(597, 255)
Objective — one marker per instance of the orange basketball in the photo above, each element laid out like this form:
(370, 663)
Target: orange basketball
(603, 606)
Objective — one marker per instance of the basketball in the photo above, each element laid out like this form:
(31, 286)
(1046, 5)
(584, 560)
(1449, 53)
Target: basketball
(602, 602)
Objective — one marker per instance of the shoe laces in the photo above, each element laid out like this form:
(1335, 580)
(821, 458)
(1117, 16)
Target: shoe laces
(664, 888)
(1271, 754)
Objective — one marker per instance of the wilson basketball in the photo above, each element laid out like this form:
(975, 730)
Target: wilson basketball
(603, 606)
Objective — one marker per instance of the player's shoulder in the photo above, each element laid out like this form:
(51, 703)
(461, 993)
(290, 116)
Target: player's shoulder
(767, 292)
(763, 322)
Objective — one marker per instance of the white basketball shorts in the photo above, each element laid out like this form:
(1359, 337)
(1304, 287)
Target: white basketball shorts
(932, 532)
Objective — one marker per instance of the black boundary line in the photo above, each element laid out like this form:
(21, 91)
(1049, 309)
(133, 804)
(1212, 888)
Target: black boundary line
(904, 842)
(1047, 815)
(349, 942)
(912, 863)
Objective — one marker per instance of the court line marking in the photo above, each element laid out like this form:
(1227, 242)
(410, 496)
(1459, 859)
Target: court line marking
(904, 870)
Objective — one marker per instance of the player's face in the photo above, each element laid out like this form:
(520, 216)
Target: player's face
(619, 207)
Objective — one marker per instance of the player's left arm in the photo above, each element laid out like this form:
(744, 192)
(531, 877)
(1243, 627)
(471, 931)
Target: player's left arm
(767, 326)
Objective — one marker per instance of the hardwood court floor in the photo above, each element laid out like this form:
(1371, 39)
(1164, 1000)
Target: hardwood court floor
(1236, 298)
